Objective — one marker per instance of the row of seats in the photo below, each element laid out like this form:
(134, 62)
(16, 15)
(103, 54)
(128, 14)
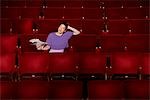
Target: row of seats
(110, 43)
(75, 3)
(75, 90)
(75, 65)
(95, 60)
(76, 13)
(103, 27)
(80, 43)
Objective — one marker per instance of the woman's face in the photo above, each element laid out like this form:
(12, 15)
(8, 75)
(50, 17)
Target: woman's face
(61, 29)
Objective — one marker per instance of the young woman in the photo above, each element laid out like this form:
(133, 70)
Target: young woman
(58, 41)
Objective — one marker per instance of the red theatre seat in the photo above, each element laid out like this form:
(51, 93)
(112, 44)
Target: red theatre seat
(115, 13)
(92, 64)
(6, 26)
(93, 13)
(46, 26)
(139, 26)
(137, 89)
(145, 64)
(105, 90)
(125, 65)
(31, 12)
(7, 89)
(7, 65)
(55, 3)
(73, 13)
(84, 43)
(117, 27)
(33, 64)
(34, 3)
(91, 4)
(9, 26)
(132, 3)
(26, 26)
(65, 89)
(26, 46)
(111, 43)
(73, 3)
(137, 43)
(137, 13)
(8, 43)
(92, 26)
(12, 12)
(53, 13)
(32, 89)
(15, 3)
(62, 64)
(110, 3)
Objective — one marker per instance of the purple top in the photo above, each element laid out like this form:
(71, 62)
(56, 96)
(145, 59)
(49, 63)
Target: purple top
(58, 42)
